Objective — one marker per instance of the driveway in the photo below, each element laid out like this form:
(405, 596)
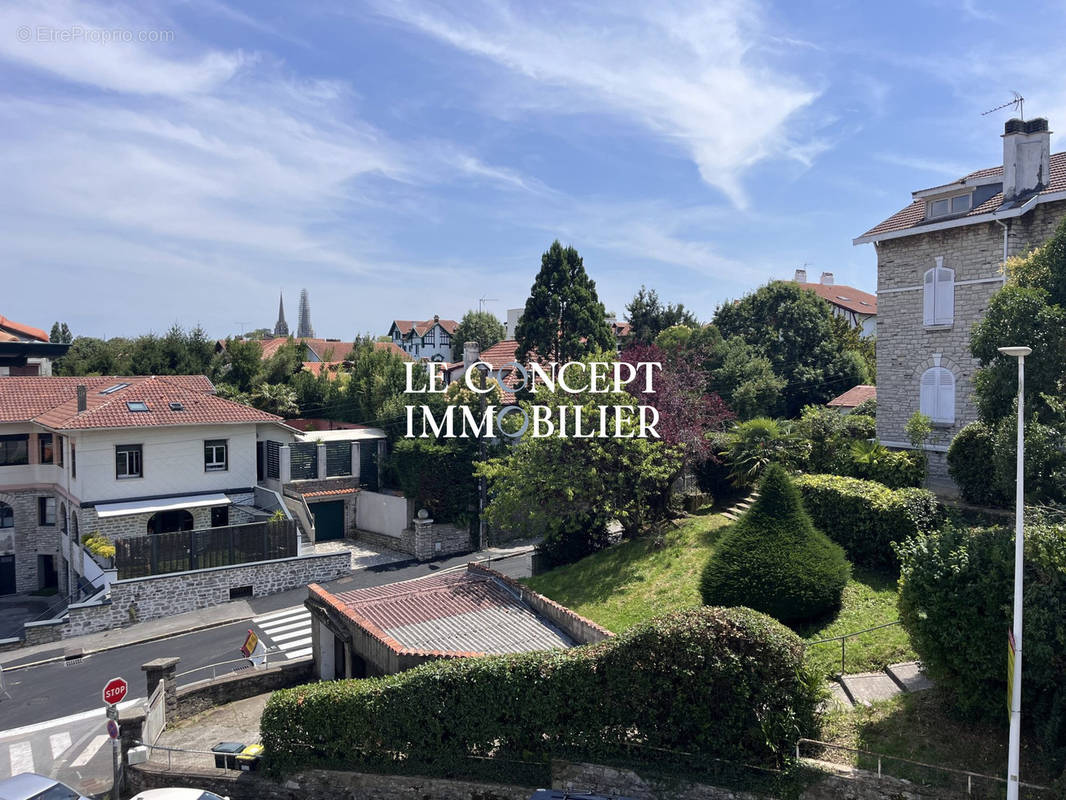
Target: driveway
(16, 609)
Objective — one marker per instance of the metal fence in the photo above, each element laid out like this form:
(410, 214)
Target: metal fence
(843, 640)
(303, 461)
(162, 553)
(338, 459)
(976, 784)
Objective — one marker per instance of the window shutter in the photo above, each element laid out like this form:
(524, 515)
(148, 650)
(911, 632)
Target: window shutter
(928, 295)
(944, 311)
(927, 393)
(945, 396)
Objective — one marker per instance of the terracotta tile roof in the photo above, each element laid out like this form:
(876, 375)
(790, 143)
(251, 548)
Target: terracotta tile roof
(844, 296)
(854, 396)
(52, 401)
(461, 613)
(496, 357)
(22, 330)
(330, 492)
(913, 216)
(331, 368)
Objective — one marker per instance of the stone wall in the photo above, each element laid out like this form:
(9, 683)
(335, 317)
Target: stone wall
(839, 784)
(316, 784)
(27, 539)
(436, 540)
(141, 599)
(197, 697)
(906, 347)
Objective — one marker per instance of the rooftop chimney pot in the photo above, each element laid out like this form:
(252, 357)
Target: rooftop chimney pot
(82, 398)
(801, 276)
(827, 278)
(471, 353)
(1026, 156)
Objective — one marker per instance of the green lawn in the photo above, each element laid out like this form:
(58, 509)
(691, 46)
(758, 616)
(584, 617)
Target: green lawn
(636, 580)
(920, 727)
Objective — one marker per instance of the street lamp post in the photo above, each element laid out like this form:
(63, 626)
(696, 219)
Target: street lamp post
(1013, 756)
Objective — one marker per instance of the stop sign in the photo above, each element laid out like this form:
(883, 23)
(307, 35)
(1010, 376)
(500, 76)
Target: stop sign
(115, 690)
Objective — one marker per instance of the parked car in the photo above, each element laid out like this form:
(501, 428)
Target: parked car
(176, 793)
(31, 786)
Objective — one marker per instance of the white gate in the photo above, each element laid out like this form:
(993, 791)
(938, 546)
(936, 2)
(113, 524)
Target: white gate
(155, 718)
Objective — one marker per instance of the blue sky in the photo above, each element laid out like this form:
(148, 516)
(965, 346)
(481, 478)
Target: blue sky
(404, 159)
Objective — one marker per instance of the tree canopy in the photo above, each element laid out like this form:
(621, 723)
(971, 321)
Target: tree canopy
(648, 317)
(564, 319)
(794, 329)
(476, 326)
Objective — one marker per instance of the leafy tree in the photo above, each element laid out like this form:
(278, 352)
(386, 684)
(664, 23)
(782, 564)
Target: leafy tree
(674, 338)
(756, 444)
(276, 398)
(243, 364)
(284, 363)
(375, 390)
(60, 333)
(648, 317)
(259, 333)
(568, 489)
(563, 319)
(88, 356)
(476, 326)
(774, 560)
(745, 379)
(794, 329)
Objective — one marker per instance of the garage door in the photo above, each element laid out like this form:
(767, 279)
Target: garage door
(329, 520)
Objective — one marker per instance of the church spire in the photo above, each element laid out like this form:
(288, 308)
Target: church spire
(281, 327)
(304, 329)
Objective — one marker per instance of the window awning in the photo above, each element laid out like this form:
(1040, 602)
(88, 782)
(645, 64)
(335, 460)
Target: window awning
(104, 510)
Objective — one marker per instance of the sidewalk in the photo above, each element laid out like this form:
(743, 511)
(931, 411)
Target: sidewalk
(240, 610)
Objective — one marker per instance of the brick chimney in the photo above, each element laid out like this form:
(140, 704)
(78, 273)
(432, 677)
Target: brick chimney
(471, 353)
(801, 276)
(1026, 156)
(82, 398)
(827, 278)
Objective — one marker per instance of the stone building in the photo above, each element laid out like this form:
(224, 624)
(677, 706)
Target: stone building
(939, 261)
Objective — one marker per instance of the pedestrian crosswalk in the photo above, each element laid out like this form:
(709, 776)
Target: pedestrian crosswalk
(288, 630)
(46, 753)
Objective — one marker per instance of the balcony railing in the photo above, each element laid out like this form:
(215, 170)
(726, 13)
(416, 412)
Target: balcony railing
(162, 553)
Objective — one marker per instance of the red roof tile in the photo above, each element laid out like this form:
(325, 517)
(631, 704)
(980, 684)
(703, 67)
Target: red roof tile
(844, 296)
(854, 396)
(22, 330)
(913, 216)
(329, 492)
(52, 401)
(405, 326)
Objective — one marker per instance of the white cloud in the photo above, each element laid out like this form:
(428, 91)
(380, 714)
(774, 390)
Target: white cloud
(686, 73)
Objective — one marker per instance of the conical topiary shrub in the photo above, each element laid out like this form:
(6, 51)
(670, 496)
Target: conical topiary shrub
(775, 561)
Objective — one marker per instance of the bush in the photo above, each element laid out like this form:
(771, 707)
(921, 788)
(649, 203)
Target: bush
(896, 469)
(867, 408)
(866, 517)
(955, 601)
(98, 544)
(440, 477)
(571, 537)
(724, 683)
(970, 459)
(753, 445)
(1045, 460)
(775, 561)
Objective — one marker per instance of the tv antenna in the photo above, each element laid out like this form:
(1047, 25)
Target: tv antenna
(481, 302)
(1018, 102)
(242, 324)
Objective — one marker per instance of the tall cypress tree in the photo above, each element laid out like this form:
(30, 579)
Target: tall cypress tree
(563, 319)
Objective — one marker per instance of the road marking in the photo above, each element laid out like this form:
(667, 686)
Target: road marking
(304, 630)
(270, 630)
(299, 653)
(21, 757)
(90, 750)
(56, 723)
(59, 742)
(297, 643)
(285, 612)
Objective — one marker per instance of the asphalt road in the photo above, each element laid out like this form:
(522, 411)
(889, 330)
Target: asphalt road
(58, 690)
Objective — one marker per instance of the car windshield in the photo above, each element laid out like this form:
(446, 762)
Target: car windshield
(209, 796)
(56, 792)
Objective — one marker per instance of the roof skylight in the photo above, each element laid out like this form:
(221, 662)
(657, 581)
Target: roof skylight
(137, 405)
(113, 389)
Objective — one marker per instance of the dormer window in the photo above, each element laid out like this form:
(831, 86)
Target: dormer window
(945, 206)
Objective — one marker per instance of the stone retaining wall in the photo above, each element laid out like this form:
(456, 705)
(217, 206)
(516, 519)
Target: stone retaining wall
(197, 697)
(141, 599)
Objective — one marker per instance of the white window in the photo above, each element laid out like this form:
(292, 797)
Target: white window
(939, 295)
(937, 395)
(128, 461)
(943, 206)
(215, 455)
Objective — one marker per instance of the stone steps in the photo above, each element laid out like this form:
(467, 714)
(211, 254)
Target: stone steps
(734, 512)
(865, 688)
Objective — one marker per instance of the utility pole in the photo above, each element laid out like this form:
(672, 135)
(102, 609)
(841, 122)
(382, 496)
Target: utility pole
(482, 488)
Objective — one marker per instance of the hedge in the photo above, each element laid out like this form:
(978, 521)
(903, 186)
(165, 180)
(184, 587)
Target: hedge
(896, 469)
(955, 601)
(866, 517)
(970, 460)
(722, 682)
(775, 561)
